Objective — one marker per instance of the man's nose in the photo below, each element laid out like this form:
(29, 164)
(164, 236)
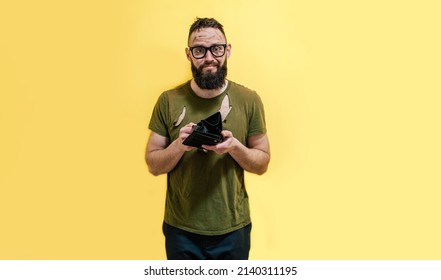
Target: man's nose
(209, 56)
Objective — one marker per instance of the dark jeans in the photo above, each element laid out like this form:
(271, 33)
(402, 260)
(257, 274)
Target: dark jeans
(184, 245)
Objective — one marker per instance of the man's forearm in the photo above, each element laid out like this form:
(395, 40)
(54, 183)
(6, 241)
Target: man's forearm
(162, 161)
(250, 159)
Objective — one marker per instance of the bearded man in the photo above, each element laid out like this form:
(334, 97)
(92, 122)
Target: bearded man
(207, 213)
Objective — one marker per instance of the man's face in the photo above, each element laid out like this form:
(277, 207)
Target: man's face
(209, 71)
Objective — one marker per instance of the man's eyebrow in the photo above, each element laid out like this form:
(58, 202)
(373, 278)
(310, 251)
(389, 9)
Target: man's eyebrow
(215, 44)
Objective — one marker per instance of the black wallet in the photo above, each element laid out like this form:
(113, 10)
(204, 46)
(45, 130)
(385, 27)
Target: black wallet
(206, 132)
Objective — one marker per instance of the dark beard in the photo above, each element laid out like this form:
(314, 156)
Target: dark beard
(210, 80)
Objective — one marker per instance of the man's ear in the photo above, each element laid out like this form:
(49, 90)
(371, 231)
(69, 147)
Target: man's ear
(228, 50)
(187, 53)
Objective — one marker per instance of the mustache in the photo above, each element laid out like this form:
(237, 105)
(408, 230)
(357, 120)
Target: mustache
(209, 64)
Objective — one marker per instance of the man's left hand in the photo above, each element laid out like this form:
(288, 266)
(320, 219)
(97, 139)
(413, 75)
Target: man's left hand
(226, 146)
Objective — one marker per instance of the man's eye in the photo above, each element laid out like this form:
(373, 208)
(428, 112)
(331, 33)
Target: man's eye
(199, 50)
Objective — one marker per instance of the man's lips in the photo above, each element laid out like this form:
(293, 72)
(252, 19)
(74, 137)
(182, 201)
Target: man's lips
(209, 66)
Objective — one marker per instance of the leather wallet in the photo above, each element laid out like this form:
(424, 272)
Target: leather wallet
(206, 132)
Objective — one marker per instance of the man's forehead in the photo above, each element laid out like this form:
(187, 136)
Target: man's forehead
(206, 34)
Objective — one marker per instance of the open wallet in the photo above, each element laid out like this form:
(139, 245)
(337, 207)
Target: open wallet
(206, 132)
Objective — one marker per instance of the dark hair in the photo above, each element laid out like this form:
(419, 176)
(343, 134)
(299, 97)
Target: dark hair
(205, 23)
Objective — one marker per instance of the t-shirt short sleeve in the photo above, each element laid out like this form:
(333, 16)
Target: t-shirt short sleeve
(159, 120)
(257, 123)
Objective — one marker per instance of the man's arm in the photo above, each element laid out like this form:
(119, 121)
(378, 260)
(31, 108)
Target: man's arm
(161, 155)
(254, 157)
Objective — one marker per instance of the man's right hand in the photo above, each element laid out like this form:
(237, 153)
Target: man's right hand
(161, 155)
(184, 132)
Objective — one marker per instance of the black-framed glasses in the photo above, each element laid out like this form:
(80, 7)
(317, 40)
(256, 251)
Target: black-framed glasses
(201, 51)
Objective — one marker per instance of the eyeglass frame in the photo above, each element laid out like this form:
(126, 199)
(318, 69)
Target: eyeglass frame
(208, 49)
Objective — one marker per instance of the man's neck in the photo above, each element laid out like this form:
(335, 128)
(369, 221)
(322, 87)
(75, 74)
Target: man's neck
(207, 93)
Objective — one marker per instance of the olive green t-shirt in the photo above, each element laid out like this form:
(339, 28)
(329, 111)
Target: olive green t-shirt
(205, 191)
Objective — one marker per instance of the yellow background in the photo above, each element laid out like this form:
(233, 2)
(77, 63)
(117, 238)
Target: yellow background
(352, 96)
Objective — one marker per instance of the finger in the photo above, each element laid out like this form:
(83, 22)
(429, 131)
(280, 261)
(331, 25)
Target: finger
(226, 134)
(208, 147)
